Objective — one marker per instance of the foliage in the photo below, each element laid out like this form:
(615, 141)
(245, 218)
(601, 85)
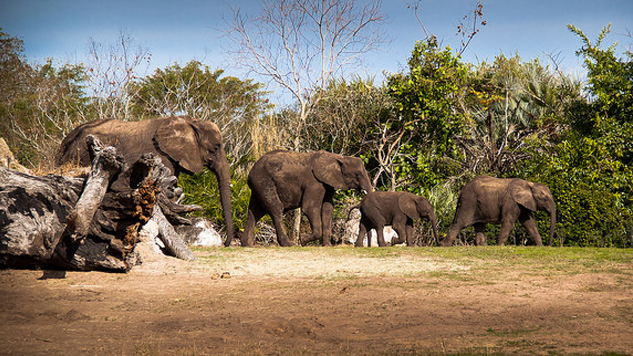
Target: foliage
(197, 91)
(343, 119)
(38, 104)
(428, 113)
(510, 102)
(202, 189)
(589, 169)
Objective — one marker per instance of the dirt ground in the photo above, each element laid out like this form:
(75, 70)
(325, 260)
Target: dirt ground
(315, 302)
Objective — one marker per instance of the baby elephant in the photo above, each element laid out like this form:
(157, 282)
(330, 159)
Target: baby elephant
(398, 209)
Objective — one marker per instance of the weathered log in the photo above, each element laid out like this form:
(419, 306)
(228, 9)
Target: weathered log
(87, 224)
(105, 164)
(173, 243)
(33, 214)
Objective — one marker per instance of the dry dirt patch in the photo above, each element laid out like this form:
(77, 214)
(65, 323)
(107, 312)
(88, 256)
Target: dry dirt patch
(321, 301)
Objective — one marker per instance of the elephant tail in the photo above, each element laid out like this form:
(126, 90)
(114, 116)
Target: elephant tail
(349, 213)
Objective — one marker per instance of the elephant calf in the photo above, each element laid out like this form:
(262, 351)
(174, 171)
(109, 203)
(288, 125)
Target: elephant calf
(496, 200)
(398, 209)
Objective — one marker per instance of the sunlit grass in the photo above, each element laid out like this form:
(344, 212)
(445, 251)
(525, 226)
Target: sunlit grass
(467, 264)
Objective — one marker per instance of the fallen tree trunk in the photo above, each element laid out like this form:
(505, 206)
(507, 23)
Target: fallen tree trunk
(86, 224)
(105, 164)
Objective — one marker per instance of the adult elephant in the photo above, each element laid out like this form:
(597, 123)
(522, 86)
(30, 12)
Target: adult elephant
(398, 209)
(497, 200)
(284, 180)
(183, 143)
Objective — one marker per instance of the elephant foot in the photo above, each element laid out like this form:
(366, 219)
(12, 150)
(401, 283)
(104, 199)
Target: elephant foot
(286, 243)
(305, 239)
(445, 243)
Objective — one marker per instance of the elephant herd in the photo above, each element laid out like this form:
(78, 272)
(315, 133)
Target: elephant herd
(282, 180)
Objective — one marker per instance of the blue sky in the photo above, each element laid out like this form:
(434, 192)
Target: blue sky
(183, 30)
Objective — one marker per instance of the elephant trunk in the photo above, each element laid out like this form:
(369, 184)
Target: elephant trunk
(433, 221)
(552, 226)
(365, 184)
(223, 175)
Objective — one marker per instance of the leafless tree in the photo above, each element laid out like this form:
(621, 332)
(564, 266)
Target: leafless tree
(112, 68)
(468, 27)
(302, 44)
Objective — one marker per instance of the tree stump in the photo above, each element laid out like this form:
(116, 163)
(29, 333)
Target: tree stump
(88, 223)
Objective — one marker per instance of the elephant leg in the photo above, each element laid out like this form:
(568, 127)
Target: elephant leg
(312, 208)
(452, 234)
(410, 235)
(399, 226)
(254, 214)
(314, 217)
(380, 231)
(362, 231)
(529, 223)
(278, 221)
(506, 227)
(327, 211)
(397, 240)
(480, 237)
(400, 239)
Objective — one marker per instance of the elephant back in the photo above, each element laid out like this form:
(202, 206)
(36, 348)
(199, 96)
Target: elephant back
(73, 148)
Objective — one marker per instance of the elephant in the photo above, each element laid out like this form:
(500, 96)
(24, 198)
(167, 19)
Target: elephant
(501, 200)
(285, 180)
(183, 143)
(398, 209)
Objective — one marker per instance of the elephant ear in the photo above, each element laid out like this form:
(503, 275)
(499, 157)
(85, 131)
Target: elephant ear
(328, 169)
(176, 138)
(408, 207)
(521, 192)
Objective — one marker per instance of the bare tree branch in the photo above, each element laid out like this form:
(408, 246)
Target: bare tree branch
(302, 44)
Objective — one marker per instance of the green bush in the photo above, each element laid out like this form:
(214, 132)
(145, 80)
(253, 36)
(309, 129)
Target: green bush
(202, 189)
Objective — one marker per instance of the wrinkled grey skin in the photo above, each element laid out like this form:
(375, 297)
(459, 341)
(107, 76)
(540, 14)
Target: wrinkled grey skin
(184, 144)
(283, 180)
(495, 200)
(398, 209)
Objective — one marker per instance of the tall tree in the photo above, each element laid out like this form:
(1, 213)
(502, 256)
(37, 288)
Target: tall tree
(429, 113)
(194, 89)
(113, 67)
(302, 44)
(590, 169)
(38, 103)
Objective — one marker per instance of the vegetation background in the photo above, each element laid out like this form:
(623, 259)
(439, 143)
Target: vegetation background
(427, 129)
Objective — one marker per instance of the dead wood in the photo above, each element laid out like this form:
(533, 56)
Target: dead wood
(88, 223)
